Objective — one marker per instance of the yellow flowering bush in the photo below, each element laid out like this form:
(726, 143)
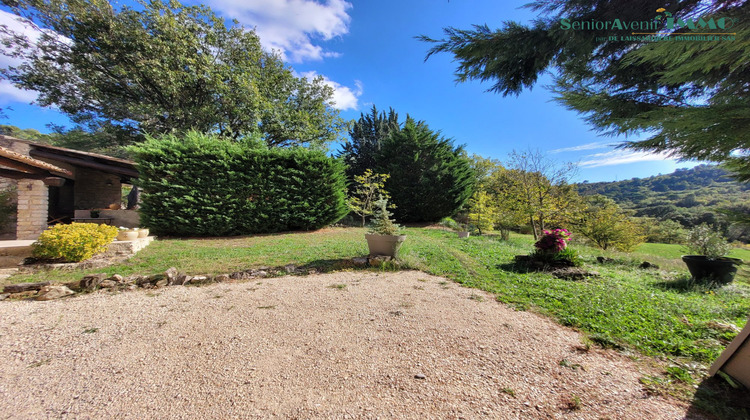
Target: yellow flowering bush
(75, 242)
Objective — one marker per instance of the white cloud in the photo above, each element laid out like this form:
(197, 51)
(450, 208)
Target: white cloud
(291, 26)
(13, 23)
(587, 146)
(344, 97)
(620, 157)
(10, 93)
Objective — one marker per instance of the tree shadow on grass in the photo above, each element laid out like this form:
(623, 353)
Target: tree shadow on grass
(331, 265)
(327, 265)
(716, 397)
(686, 284)
(515, 267)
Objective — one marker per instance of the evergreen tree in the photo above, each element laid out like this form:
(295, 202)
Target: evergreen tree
(691, 97)
(366, 136)
(430, 179)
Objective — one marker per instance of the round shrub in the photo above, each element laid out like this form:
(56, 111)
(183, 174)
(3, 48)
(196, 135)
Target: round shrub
(75, 242)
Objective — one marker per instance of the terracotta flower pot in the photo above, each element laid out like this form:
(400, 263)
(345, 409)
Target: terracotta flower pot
(720, 270)
(127, 235)
(142, 233)
(387, 245)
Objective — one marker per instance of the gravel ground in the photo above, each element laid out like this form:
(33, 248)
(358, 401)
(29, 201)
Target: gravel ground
(342, 345)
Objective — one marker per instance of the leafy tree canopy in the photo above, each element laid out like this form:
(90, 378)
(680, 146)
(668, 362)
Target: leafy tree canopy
(167, 68)
(691, 97)
(26, 134)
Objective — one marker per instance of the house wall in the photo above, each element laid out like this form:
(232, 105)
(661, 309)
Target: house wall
(26, 225)
(124, 218)
(32, 209)
(92, 191)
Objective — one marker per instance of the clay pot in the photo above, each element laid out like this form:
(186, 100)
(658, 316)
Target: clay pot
(127, 235)
(387, 245)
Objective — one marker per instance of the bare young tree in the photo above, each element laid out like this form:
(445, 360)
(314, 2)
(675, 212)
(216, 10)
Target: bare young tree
(541, 187)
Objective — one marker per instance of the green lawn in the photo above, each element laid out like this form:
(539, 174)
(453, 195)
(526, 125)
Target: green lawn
(656, 312)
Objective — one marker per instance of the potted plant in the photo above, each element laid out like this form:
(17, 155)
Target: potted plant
(709, 262)
(463, 230)
(94, 213)
(384, 237)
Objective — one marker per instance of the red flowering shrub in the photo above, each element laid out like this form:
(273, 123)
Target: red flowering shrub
(553, 240)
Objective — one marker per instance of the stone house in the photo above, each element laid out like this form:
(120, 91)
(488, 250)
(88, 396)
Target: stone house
(59, 185)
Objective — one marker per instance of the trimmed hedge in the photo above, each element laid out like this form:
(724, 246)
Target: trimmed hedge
(201, 185)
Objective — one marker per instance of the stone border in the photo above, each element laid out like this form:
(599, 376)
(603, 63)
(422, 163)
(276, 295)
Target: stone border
(172, 277)
(117, 252)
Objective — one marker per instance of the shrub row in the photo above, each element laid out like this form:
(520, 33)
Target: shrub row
(200, 185)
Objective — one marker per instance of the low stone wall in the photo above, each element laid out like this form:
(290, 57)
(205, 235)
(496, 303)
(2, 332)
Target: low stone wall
(127, 248)
(124, 218)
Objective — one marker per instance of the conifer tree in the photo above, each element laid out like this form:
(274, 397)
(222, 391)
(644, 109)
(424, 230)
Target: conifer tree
(430, 178)
(366, 136)
(689, 96)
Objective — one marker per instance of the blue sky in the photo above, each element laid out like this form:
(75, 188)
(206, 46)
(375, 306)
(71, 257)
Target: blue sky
(367, 51)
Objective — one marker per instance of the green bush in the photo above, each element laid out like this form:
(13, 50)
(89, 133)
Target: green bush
(703, 240)
(566, 258)
(75, 242)
(201, 185)
(449, 223)
(430, 179)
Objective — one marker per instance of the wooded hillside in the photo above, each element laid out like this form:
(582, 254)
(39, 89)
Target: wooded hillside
(689, 196)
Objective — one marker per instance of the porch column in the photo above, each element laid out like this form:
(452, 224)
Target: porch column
(33, 199)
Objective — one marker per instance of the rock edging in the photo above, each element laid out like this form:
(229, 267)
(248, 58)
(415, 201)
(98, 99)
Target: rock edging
(171, 277)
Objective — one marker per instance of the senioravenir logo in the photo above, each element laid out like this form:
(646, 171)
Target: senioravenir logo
(659, 28)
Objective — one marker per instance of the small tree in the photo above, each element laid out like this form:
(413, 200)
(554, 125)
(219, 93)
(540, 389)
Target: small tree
(703, 240)
(665, 231)
(369, 187)
(482, 212)
(541, 188)
(382, 224)
(605, 224)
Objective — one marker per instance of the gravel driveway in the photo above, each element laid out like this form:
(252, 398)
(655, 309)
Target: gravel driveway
(341, 345)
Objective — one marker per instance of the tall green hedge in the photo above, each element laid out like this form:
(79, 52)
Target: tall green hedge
(200, 185)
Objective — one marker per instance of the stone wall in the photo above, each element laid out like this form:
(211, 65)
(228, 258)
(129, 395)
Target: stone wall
(124, 218)
(32, 209)
(96, 190)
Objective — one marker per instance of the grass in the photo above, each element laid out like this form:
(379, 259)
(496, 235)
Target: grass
(657, 312)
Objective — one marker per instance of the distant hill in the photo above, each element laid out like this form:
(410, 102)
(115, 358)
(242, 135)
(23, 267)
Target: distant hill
(689, 196)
